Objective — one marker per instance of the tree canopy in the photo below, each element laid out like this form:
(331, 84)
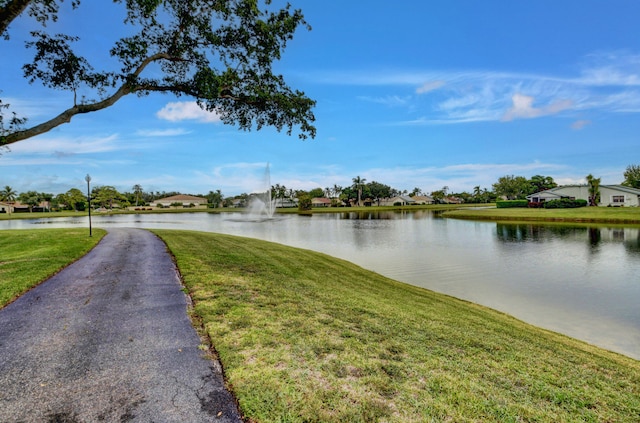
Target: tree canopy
(512, 187)
(632, 176)
(219, 52)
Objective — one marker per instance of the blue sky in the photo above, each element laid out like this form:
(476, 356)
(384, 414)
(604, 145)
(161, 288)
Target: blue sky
(424, 94)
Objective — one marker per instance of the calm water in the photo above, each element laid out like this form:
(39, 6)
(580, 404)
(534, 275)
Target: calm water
(580, 281)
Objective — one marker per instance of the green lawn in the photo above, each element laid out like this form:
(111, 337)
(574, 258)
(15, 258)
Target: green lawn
(306, 337)
(27, 257)
(622, 215)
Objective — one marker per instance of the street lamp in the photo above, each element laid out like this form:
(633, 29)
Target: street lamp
(88, 179)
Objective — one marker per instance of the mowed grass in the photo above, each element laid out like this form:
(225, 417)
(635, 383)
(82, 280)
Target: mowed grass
(622, 215)
(28, 257)
(304, 337)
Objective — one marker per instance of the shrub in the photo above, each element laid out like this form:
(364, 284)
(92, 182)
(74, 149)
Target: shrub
(304, 203)
(511, 203)
(565, 203)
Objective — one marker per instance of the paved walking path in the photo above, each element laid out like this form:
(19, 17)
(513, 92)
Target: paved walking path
(108, 339)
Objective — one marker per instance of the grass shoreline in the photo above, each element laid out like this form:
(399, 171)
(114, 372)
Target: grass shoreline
(303, 336)
(586, 215)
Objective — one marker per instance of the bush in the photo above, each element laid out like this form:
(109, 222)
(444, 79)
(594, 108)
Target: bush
(304, 203)
(565, 203)
(511, 203)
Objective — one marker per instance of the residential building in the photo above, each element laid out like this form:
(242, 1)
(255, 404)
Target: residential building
(185, 200)
(610, 195)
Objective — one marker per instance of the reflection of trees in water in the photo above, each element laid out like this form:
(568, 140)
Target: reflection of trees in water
(387, 215)
(594, 235)
(518, 232)
(632, 244)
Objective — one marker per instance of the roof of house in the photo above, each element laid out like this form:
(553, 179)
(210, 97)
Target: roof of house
(422, 198)
(180, 197)
(553, 192)
(321, 200)
(630, 190)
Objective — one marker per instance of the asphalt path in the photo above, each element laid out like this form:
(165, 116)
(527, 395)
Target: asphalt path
(108, 339)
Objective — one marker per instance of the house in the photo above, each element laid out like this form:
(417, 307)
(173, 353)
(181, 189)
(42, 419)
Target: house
(320, 202)
(238, 203)
(610, 195)
(18, 207)
(185, 200)
(398, 200)
(452, 200)
(286, 202)
(423, 199)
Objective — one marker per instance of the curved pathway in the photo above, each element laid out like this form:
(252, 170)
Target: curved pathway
(108, 339)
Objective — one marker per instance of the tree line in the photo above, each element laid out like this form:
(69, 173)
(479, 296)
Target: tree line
(358, 193)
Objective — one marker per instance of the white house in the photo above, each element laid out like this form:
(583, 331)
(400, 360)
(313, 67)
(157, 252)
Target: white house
(610, 195)
(6, 207)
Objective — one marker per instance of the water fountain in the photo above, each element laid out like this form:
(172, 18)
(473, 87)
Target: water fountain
(262, 206)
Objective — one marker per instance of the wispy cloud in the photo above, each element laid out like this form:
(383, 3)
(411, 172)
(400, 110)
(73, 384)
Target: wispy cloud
(392, 100)
(429, 86)
(580, 124)
(186, 110)
(172, 132)
(603, 83)
(523, 108)
(67, 146)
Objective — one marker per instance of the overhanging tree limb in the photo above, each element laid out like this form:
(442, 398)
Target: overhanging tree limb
(218, 52)
(66, 116)
(10, 11)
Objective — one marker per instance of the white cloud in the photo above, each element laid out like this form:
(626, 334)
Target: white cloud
(522, 108)
(186, 110)
(430, 86)
(392, 100)
(66, 146)
(172, 132)
(579, 124)
(605, 82)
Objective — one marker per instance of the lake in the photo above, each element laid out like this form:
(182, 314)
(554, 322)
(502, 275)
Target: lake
(583, 281)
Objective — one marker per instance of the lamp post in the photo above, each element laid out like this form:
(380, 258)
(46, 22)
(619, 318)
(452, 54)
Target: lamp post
(88, 179)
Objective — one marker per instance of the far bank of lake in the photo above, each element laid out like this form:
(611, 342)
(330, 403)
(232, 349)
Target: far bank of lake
(575, 279)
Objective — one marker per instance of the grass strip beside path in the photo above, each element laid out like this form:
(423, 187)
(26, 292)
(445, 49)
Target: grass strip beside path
(28, 257)
(304, 337)
(617, 215)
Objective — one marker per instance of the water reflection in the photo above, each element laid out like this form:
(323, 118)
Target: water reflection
(386, 215)
(594, 236)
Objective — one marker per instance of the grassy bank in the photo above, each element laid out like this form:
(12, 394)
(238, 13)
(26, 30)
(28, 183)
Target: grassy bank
(307, 337)
(28, 257)
(621, 215)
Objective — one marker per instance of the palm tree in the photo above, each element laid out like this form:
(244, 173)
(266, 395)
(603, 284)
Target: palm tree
(358, 182)
(137, 190)
(337, 190)
(594, 190)
(8, 195)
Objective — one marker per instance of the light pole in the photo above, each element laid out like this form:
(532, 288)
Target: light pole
(88, 179)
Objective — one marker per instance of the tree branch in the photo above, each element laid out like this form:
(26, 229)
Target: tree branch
(65, 117)
(12, 10)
